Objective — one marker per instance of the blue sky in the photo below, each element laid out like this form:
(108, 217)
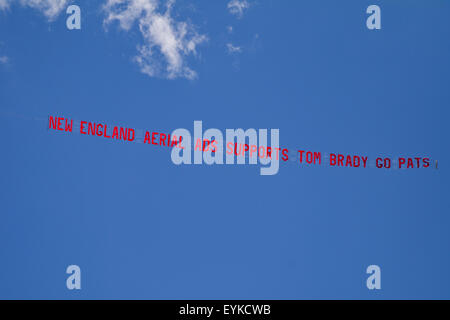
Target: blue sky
(141, 227)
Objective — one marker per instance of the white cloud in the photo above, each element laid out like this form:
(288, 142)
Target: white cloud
(4, 4)
(237, 7)
(4, 59)
(232, 49)
(167, 42)
(50, 8)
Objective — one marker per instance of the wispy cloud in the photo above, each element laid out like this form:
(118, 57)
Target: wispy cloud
(4, 60)
(167, 42)
(50, 8)
(233, 49)
(237, 7)
(4, 4)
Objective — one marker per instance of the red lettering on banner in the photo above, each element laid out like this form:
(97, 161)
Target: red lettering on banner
(179, 143)
(130, 130)
(317, 156)
(123, 134)
(91, 129)
(350, 161)
(174, 141)
(378, 163)
(332, 159)
(59, 124)
(105, 132)
(214, 146)
(82, 127)
(162, 139)
(340, 160)
(198, 145)
(97, 131)
(253, 149)
(229, 148)
(262, 153)
(69, 126)
(153, 138)
(52, 122)
(410, 163)
(55, 123)
(115, 133)
(285, 155)
(364, 159)
(205, 145)
(147, 137)
(300, 157)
